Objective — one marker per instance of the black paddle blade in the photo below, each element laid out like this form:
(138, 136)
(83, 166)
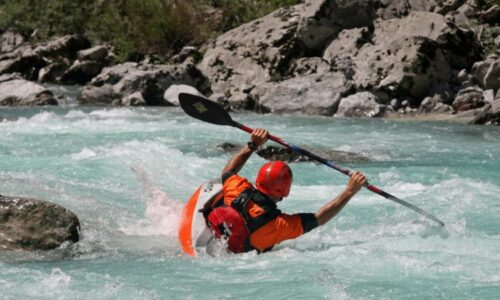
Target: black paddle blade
(204, 109)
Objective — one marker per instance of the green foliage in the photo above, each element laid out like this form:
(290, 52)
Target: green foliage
(236, 12)
(134, 27)
(48, 18)
(485, 4)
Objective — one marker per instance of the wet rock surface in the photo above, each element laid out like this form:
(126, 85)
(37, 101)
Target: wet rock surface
(287, 155)
(31, 224)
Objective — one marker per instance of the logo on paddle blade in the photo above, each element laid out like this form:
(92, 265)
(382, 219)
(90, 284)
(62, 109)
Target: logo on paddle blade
(200, 107)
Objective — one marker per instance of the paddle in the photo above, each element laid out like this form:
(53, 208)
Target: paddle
(205, 110)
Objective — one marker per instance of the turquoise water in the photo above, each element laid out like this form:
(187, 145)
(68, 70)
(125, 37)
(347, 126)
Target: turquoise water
(127, 171)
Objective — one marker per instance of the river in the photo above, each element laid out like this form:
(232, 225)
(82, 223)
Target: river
(126, 173)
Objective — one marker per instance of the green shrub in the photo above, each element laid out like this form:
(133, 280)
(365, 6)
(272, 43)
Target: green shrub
(485, 4)
(134, 27)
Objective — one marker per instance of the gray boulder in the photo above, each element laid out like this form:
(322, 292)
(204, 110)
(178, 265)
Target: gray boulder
(81, 72)
(427, 105)
(469, 98)
(53, 71)
(442, 108)
(101, 53)
(363, 104)
(256, 52)
(117, 82)
(312, 94)
(135, 99)
(89, 64)
(104, 95)
(322, 20)
(66, 46)
(490, 114)
(26, 64)
(19, 92)
(29, 59)
(487, 73)
(489, 96)
(406, 57)
(30, 224)
(309, 65)
(348, 43)
(9, 41)
(9, 77)
(390, 9)
(172, 93)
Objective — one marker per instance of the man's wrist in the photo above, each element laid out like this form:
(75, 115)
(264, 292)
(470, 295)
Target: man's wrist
(348, 192)
(252, 145)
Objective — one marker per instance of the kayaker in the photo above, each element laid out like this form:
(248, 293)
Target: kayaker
(247, 216)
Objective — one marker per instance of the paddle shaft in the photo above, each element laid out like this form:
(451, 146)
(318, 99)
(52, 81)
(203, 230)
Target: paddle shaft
(345, 171)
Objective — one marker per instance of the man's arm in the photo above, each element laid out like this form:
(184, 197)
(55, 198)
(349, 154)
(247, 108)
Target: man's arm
(328, 211)
(259, 137)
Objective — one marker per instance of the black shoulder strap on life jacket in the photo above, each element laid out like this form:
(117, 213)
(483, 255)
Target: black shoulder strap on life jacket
(270, 212)
(240, 203)
(215, 201)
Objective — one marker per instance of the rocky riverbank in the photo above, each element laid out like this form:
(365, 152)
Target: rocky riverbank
(376, 58)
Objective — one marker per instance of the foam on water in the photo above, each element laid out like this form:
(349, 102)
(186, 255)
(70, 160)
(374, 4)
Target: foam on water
(126, 173)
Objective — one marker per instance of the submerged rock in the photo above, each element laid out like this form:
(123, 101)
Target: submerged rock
(287, 155)
(30, 224)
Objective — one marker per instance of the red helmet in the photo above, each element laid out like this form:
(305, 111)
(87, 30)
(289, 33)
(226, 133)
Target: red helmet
(274, 179)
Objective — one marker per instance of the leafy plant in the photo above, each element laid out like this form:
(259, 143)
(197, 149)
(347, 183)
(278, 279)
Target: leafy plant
(134, 27)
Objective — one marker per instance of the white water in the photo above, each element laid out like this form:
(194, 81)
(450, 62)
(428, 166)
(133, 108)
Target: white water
(126, 173)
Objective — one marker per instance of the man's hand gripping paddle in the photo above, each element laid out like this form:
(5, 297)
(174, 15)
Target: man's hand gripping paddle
(205, 110)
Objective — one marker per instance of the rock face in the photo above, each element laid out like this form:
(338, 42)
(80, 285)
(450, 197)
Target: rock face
(322, 57)
(9, 41)
(116, 83)
(287, 155)
(30, 224)
(253, 53)
(66, 60)
(469, 98)
(20, 92)
(405, 57)
(487, 73)
(322, 20)
(28, 60)
(313, 94)
(490, 115)
(390, 9)
(307, 57)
